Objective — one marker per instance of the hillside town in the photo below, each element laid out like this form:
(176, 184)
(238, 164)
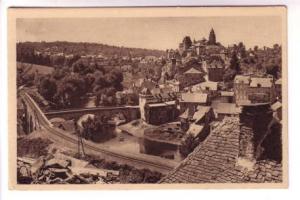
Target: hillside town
(201, 113)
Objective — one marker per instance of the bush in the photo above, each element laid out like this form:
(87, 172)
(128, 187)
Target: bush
(33, 148)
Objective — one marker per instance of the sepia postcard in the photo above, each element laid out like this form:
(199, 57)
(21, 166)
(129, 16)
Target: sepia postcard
(147, 98)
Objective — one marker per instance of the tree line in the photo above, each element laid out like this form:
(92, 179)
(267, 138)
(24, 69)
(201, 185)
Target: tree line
(69, 86)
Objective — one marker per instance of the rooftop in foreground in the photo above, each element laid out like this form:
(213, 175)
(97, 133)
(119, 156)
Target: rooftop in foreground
(216, 161)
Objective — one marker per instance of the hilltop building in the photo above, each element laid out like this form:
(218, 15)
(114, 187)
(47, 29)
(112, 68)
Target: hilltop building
(212, 37)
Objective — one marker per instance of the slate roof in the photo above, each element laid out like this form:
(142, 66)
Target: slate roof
(185, 114)
(194, 97)
(195, 129)
(200, 113)
(215, 161)
(225, 108)
(242, 79)
(192, 71)
(276, 106)
(227, 94)
(278, 82)
(188, 113)
(263, 82)
(213, 86)
(168, 103)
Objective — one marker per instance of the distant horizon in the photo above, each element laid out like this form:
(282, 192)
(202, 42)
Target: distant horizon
(271, 46)
(152, 33)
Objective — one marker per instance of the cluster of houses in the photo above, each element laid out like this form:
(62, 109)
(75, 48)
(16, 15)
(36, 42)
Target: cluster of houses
(196, 99)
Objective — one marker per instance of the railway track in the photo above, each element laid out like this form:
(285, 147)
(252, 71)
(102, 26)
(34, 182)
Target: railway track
(44, 122)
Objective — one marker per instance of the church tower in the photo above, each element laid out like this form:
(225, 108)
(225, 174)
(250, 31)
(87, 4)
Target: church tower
(212, 37)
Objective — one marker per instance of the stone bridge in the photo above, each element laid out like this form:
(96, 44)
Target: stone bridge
(31, 123)
(35, 119)
(130, 112)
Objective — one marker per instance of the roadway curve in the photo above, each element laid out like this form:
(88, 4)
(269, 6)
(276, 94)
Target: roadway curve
(57, 135)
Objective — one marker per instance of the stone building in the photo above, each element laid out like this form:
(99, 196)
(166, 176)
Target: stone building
(160, 113)
(225, 109)
(254, 90)
(208, 87)
(226, 97)
(261, 90)
(215, 71)
(191, 77)
(157, 107)
(241, 85)
(192, 100)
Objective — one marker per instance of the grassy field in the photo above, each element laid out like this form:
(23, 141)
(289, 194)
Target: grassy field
(32, 68)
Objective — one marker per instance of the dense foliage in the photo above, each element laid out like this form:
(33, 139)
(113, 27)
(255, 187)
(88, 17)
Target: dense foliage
(26, 52)
(97, 129)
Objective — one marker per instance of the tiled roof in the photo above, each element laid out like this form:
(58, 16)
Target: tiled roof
(215, 161)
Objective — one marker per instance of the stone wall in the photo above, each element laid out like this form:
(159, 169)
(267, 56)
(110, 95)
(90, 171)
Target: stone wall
(254, 126)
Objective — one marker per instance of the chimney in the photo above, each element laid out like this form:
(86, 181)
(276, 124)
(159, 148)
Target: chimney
(254, 125)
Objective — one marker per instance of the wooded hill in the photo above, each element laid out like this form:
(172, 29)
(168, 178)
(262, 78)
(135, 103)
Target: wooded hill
(83, 48)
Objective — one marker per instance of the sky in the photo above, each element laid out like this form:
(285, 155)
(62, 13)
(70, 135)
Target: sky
(152, 33)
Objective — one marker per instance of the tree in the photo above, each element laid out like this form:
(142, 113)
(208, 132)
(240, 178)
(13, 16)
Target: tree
(234, 62)
(71, 90)
(95, 129)
(273, 70)
(187, 42)
(242, 49)
(47, 88)
(106, 97)
(229, 75)
(60, 73)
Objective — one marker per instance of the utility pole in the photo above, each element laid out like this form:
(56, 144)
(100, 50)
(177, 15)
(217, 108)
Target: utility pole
(80, 147)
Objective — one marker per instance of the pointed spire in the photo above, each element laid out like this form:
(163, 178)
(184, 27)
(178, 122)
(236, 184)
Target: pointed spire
(212, 37)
